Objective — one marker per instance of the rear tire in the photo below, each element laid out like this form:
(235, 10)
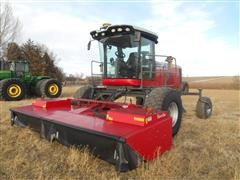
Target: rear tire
(167, 99)
(50, 88)
(84, 92)
(12, 90)
(37, 89)
(139, 100)
(204, 108)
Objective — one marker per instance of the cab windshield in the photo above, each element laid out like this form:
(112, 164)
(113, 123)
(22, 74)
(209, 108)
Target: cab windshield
(122, 56)
(19, 67)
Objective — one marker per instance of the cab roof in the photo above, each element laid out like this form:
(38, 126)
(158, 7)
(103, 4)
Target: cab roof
(112, 30)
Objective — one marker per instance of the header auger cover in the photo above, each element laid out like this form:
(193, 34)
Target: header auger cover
(122, 134)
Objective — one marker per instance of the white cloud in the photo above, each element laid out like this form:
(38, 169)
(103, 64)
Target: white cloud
(65, 34)
(183, 34)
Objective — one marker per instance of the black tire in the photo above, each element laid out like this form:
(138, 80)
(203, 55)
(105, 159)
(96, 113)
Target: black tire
(37, 88)
(12, 90)
(167, 99)
(185, 87)
(204, 108)
(139, 100)
(84, 92)
(47, 84)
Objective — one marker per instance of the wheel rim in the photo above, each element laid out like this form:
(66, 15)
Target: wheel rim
(14, 90)
(53, 89)
(173, 112)
(208, 109)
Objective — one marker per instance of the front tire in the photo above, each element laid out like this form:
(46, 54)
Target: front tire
(169, 100)
(12, 90)
(50, 88)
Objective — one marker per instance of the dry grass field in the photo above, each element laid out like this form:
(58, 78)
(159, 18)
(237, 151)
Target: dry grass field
(218, 82)
(203, 149)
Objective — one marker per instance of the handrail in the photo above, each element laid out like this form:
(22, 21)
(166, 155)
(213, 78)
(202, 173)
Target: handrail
(156, 55)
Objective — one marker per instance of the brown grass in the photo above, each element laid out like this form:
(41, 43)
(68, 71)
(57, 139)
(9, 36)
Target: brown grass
(202, 149)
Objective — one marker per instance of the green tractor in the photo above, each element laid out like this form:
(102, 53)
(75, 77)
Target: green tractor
(16, 82)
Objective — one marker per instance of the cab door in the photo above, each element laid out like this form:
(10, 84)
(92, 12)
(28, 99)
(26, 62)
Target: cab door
(147, 61)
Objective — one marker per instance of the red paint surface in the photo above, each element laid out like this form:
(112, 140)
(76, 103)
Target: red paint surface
(153, 140)
(121, 82)
(146, 140)
(132, 115)
(52, 103)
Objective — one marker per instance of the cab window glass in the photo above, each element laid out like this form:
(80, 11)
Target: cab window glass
(148, 60)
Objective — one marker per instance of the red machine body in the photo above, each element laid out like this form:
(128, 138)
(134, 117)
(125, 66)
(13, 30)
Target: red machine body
(144, 132)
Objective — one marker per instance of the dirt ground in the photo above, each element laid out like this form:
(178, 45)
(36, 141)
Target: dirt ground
(202, 149)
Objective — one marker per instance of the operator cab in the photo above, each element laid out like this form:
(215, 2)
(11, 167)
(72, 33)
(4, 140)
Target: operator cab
(127, 54)
(20, 68)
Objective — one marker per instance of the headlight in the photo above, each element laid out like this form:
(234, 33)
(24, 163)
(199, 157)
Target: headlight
(96, 34)
(103, 34)
(119, 29)
(113, 30)
(127, 29)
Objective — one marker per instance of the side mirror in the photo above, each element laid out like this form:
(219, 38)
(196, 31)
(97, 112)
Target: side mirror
(137, 36)
(89, 45)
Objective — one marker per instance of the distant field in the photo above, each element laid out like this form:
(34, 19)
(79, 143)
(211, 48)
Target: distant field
(218, 82)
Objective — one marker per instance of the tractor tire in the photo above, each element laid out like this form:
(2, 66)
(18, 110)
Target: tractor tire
(84, 92)
(37, 88)
(185, 87)
(204, 108)
(12, 90)
(167, 99)
(50, 88)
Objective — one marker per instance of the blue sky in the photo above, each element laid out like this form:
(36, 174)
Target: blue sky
(201, 35)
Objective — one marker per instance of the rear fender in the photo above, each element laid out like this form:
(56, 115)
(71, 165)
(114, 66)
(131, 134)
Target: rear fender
(38, 78)
(35, 79)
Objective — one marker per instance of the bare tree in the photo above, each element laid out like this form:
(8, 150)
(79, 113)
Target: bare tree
(9, 26)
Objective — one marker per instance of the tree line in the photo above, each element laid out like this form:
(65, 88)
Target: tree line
(42, 60)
